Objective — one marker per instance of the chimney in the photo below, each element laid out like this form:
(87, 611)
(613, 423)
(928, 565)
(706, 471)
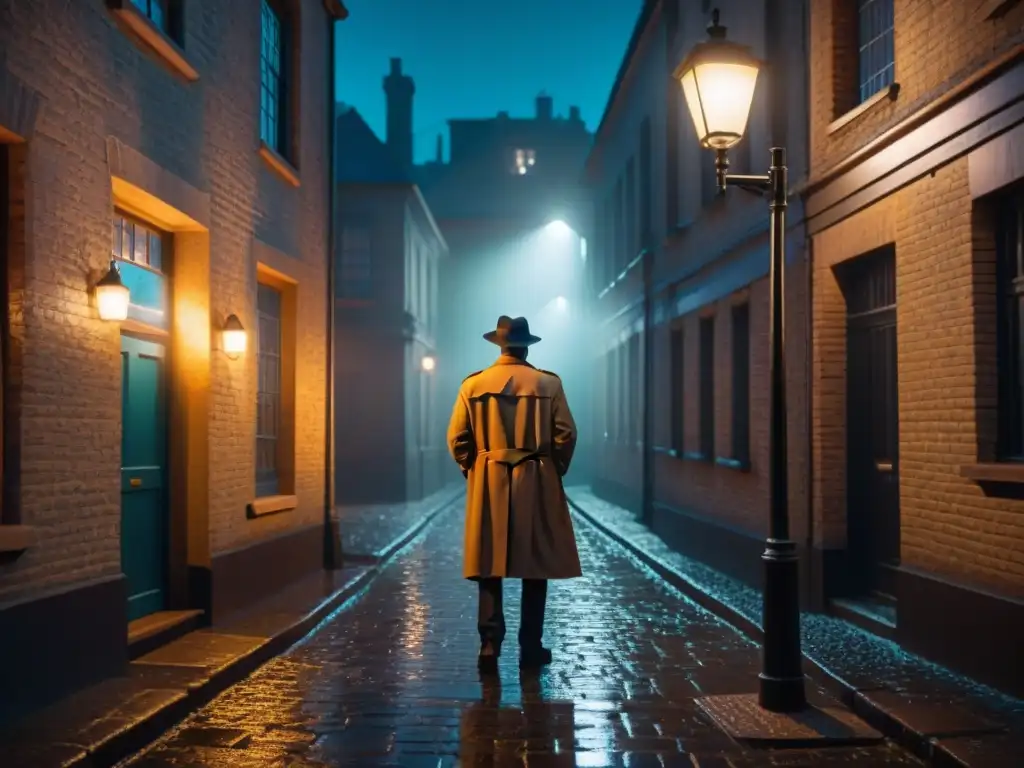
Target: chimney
(574, 114)
(439, 152)
(545, 107)
(399, 90)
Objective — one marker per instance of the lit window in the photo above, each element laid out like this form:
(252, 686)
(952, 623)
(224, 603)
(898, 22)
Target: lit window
(525, 160)
(268, 389)
(583, 248)
(135, 243)
(875, 46)
(155, 11)
(273, 80)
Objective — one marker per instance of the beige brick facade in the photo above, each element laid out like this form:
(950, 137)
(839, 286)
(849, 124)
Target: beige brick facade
(118, 126)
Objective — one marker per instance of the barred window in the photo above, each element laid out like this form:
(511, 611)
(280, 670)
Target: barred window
(676, 390)
(274, 77)
(134, 242)
(741, 382)
(157, 11)
(707, 387)
(1010, 340)
(268, 390)
(875, 46)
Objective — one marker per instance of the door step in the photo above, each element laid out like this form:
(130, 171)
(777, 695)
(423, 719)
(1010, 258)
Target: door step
(870, 613)
(157, 629)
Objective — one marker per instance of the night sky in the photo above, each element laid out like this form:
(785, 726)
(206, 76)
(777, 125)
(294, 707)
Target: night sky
(475, 58)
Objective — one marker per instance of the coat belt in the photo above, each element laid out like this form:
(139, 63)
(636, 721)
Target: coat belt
(513, 456)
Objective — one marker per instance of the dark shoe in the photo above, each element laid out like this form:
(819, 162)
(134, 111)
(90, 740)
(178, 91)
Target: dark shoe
(487, 661)
(534, 657)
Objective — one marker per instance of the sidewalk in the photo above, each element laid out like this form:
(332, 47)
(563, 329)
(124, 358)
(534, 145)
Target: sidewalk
(101, 725)
(936, 713)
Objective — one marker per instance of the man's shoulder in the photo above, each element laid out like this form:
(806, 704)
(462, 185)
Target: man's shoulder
(550, 373)
(474, 373)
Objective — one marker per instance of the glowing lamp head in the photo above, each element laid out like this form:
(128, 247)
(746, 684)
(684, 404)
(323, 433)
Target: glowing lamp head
(428, 363)
(561, 304)
(234, 337)
(718, 79)
(560, 228)
(112, 295)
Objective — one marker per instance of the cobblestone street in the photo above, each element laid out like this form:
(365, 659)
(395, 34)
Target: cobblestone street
(391, 680)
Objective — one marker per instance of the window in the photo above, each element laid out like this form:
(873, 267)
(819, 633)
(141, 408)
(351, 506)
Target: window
(707, 387)
(875, 46)
(620, 260)
(631, 210)
(741, 382)
(634, 416)
(677, 389)
(525, 159)
(134, 242)
(645, 182)
(268, 389)
(275, 94)
(355, 278)
(1010, 341)
(157, 12)
(611, 414)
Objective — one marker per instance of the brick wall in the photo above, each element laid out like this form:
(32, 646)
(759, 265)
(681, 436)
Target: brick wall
(949, 526)
(97, 82)
(936, 45)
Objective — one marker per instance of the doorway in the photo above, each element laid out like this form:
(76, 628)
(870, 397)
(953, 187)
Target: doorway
(144, 520)
(872, 419)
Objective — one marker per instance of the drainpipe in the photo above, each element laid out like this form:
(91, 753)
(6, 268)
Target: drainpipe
(333, 556)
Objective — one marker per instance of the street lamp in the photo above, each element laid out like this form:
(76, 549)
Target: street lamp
(718, 79)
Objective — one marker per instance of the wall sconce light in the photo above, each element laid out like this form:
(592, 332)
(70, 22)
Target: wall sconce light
(112, 295)
(428, 363)
(233, 337)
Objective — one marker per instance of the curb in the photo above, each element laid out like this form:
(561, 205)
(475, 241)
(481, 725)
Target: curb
(143, 732)
(858, 701)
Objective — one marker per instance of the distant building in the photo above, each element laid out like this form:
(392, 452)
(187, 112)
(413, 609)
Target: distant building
(389, 426)
(154, 475)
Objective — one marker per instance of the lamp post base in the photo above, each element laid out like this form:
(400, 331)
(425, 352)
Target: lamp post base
(782, 676)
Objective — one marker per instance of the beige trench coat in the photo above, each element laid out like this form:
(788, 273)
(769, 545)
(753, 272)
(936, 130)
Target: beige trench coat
(512, 432)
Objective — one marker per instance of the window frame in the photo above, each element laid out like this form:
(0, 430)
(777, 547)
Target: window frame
(677, 388)
(707, 387)
(282, 154)
(741, 348)
(268, 483)
(1009, 278)
(872, 79)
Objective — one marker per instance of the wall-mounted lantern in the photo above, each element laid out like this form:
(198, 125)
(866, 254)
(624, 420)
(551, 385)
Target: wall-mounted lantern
(233, 337)
(428, 363)
(112, 295)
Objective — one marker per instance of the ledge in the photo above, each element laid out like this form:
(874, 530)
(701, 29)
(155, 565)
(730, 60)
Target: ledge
(889, 93)
(278, 164)
(155, 38)
(270, 505)
(695, 456)
(16, 538)
(740, 465)
(1009, 472)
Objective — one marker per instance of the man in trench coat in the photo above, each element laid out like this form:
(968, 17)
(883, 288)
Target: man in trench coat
(513, 435)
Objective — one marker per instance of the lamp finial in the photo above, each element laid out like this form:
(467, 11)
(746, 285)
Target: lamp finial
(715, 30)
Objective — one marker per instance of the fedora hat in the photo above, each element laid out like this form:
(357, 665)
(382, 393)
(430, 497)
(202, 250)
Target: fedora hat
(512, 332)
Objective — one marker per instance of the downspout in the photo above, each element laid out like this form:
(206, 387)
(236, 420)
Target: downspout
(333, 555)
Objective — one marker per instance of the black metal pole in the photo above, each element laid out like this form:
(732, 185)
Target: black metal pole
(781, 678)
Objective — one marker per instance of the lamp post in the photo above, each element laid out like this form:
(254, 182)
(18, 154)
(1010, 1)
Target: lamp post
(718, 79)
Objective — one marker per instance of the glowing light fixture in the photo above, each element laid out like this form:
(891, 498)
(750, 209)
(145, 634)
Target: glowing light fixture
(718, 79)
(112, 295)
(428, 363)
(234, 337)
(560, 228)
(561, 303)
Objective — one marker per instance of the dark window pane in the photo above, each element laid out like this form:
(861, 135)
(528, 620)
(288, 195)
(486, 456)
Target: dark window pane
(1010, 297)
(707, 387)
(676, 390)
(741, 382)
(268, 388)
(875, 40)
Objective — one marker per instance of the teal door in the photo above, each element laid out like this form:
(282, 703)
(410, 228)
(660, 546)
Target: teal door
(143, 483)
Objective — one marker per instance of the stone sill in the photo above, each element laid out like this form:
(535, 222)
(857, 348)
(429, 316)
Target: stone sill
(278, 164)
(889, 93)
(740, 465)
(1009, 472)
(155, 38)
(16, 538)
(271, 505)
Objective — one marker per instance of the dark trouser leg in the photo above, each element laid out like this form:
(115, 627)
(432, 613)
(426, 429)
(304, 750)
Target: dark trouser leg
(491, 616)
(531, 624)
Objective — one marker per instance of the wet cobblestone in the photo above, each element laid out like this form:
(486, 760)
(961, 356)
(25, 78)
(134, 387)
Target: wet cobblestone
(392, 680)
(368, 529)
